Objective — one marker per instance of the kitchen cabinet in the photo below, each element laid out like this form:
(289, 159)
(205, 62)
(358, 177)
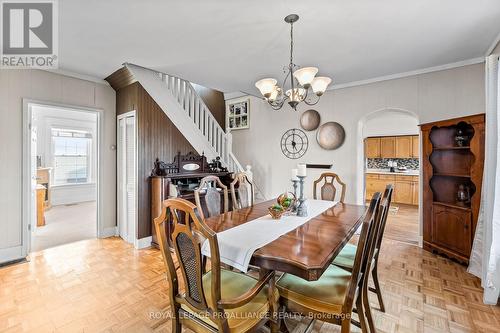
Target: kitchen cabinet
(405, 187)
(415, 191)
(415, 147)
(403, 146)
(403, 192)
(388, 147)
(372, 147)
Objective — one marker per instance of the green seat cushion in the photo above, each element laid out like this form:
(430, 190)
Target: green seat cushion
(346, 256)
(234, 285)
(325, 295)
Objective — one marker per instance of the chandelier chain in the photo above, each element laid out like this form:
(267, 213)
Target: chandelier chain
(291, 45)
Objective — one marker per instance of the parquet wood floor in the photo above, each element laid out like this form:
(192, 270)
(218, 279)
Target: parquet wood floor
(107, 286)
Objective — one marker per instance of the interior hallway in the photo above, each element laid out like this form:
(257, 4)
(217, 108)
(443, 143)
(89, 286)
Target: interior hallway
(66, 224)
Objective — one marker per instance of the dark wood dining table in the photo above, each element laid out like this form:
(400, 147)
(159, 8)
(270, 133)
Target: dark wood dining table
(306, 251)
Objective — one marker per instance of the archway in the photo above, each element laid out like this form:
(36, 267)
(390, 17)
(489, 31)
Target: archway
(384, 122)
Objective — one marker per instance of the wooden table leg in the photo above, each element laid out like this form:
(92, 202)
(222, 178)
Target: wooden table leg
(274, 320)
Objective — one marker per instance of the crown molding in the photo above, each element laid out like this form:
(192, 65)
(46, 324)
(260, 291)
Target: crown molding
(493, 45)
(472, 61)
(77, 76)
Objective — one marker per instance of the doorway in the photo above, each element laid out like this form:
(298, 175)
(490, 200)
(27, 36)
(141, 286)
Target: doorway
(390, 154)
(61, 174)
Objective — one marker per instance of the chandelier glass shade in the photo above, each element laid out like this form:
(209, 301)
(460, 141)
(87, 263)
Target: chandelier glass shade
(298, 82)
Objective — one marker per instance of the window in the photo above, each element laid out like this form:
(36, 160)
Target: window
(72, 151)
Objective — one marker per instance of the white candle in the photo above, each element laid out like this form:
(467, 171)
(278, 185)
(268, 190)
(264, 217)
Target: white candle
(301, 170)
(294, 174)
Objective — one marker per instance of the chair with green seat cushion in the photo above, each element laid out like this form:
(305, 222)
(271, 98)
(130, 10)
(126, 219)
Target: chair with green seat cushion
(345, 258)
(215, 301)
(332, 297)
(234, 284)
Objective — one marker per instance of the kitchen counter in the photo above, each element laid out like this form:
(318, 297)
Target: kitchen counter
(387, 172)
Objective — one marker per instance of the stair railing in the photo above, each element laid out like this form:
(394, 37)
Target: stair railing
(201, 116)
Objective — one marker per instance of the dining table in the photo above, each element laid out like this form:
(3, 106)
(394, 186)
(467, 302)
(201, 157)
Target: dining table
(306, 251)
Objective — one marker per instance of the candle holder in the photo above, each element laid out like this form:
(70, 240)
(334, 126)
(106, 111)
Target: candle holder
(295, 184)
(302, 208)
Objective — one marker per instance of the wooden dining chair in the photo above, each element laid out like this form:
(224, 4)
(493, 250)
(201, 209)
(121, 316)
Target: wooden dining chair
(208, 197)
(216, 300)
(328, 190)
(242, 191)
(332, 297)
(346, 258)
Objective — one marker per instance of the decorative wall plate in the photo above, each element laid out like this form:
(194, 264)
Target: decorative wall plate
(330, 135)
(310, 120)
(294, 143)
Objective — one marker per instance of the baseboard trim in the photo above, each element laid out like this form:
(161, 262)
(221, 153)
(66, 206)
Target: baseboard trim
(11, 254)
(109, 232)
(143, 242)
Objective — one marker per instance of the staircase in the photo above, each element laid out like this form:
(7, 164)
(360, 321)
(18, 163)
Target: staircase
(185, 108)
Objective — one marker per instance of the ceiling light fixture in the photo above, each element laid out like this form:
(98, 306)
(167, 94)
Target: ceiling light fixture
(302, 80)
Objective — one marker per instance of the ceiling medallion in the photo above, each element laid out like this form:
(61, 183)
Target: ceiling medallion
(302, 80)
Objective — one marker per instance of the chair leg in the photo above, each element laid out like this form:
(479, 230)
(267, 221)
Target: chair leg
(378, 291)
(176, 324)
(367, 310)
(282, 313)
(345, 326)
(361, 315)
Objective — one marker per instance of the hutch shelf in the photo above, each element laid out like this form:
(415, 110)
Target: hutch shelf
(453, 160)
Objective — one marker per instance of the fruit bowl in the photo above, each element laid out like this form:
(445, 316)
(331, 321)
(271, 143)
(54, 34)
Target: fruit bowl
(276, 211)
(287, 200)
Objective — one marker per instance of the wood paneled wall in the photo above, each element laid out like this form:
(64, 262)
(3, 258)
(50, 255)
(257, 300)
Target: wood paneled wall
(157, 137)
(214, 99)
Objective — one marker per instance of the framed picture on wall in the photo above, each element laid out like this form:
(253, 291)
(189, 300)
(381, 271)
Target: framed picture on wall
(238, 113)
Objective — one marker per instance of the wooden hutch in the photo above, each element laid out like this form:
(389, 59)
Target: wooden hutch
(453, 162)
(179, 179)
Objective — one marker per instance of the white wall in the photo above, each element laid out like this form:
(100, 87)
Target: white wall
(390, 122)
(45, 86)
(46, 118)
(432, 96)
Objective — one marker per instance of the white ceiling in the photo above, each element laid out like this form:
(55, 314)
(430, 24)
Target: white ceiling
(228, 45)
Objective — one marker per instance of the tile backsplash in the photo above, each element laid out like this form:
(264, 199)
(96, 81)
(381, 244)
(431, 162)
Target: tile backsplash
(381, 163)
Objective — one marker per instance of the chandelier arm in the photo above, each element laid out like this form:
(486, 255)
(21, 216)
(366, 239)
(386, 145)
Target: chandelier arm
(284, 80)
(305, 96)
(310, 104)
(277, 106)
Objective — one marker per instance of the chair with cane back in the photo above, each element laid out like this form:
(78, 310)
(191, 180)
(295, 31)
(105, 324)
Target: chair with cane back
(216, 300)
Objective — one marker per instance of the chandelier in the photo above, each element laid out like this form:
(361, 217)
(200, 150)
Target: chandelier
(301, 81)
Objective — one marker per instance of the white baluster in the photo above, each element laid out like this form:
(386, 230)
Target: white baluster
(191, 104)
(196, 116)
(200, 113)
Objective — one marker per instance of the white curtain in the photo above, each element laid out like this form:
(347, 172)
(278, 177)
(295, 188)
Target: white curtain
(485, 256)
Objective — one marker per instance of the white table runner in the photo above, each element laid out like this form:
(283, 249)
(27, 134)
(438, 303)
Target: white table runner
(237, 245)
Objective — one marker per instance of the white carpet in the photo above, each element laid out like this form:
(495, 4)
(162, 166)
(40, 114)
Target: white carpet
(66, 224)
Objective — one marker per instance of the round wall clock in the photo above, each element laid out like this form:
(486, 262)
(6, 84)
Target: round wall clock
(294, 143)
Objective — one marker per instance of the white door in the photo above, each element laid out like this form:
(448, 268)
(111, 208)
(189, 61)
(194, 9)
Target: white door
(127, 184)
